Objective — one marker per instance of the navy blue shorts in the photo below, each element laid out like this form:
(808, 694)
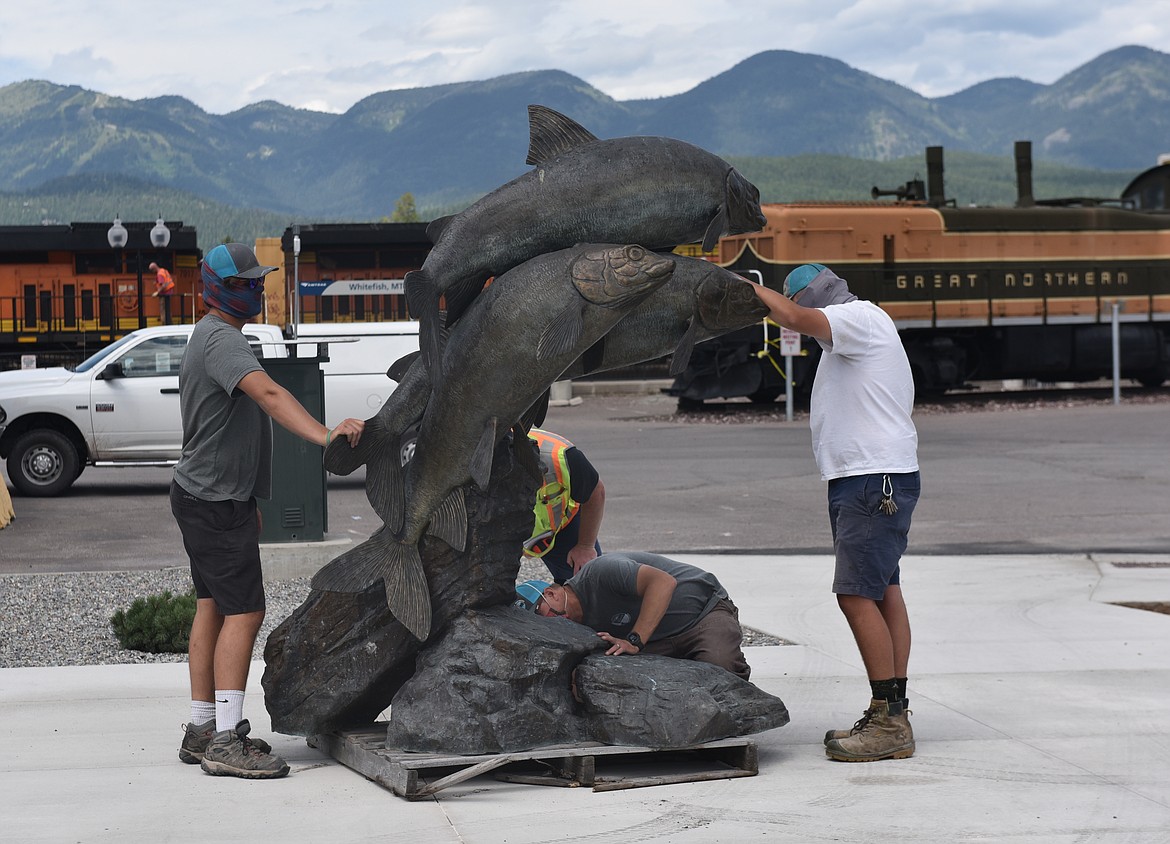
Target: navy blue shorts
(869, 543)
(222, 539)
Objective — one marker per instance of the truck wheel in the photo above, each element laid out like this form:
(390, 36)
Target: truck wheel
(43, 463)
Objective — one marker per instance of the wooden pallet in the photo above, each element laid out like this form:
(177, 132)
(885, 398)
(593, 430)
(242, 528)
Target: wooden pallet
(419, 775)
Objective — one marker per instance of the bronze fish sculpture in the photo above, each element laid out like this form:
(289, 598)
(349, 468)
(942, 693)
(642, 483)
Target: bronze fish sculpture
(500, 358)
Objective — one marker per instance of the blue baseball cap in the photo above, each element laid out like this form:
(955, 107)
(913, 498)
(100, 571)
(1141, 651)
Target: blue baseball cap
(235, 260)
(528, 593)
(799, 278)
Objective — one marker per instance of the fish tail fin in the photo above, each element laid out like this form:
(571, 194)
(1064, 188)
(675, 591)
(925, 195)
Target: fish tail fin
(357, 569)
(682, 352)
(459, 298)
(449, 520)
(341, 459)
(408, 596)
(422, 301)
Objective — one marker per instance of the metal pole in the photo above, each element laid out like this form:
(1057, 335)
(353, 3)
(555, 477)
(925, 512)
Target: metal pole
(296, 280)
(141, 305)
(1116, 352)
(788, 398)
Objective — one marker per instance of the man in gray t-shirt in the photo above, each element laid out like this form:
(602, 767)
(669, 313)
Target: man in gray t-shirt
(646, 603)
(227, 402)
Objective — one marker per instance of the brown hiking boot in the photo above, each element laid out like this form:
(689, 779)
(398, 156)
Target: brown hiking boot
(232, 754)
(885, 734)
(861, 722)
(196, 738)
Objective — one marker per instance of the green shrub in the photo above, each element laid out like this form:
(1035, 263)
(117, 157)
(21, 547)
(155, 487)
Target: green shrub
(156, 624)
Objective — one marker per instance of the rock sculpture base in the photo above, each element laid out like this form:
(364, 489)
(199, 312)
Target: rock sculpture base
(491, 678)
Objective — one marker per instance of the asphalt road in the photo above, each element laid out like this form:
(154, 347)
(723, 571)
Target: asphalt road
(1050, 479)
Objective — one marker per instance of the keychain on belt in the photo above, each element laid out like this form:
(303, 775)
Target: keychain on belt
(887, 504)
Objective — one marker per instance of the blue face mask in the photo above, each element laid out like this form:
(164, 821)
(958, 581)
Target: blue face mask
(241, 298)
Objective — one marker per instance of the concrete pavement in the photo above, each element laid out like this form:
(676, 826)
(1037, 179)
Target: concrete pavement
(1040, 711)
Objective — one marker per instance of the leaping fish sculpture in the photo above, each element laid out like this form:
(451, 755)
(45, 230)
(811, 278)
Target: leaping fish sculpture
(702, 300)
(656, 191)
(502, 356)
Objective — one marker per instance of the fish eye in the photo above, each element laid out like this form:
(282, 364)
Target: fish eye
(636, 253)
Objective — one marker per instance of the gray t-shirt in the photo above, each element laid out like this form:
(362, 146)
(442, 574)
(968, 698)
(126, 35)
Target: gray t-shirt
(227, 438)
(607, 588)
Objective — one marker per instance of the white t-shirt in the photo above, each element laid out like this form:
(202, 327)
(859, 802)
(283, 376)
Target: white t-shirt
(862, 396)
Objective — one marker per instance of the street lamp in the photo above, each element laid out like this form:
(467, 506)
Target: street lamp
(160, 236)
(118, 237)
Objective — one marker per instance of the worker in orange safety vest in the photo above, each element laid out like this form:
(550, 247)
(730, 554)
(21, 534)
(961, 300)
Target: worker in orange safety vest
(568, 510)
(164, 289)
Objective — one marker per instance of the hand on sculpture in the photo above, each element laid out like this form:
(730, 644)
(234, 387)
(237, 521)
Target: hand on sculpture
(350, 428)
(618, 646)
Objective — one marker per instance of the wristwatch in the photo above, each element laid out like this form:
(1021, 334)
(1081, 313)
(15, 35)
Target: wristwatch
(635, 640)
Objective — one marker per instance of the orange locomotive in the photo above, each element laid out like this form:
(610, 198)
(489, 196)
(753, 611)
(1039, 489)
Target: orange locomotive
(65, 292)
(977, 293)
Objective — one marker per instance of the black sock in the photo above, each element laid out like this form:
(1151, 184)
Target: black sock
(901, 681)
(886, 690)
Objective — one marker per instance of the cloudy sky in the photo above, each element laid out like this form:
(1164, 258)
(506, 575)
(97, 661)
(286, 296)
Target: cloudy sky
(328, 54)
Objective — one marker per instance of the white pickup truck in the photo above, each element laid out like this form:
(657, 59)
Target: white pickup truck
(120, 407)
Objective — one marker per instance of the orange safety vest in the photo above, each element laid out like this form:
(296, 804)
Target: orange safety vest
(554, 507)
(163, 283)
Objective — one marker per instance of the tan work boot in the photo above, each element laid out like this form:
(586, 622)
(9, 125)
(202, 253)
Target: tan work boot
(861, 722)
(886, 734)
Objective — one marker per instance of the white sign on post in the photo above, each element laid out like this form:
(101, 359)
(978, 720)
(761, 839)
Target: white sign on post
(789, 341)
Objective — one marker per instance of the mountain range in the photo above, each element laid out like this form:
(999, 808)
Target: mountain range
(448, 144)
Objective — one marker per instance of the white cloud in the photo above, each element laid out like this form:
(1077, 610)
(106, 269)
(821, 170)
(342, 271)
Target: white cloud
(329, 55)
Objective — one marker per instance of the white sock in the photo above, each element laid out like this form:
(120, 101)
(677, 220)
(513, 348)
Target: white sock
(229, 709)
(202, 711)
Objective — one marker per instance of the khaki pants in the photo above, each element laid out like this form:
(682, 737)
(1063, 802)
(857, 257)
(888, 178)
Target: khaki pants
(715, 638)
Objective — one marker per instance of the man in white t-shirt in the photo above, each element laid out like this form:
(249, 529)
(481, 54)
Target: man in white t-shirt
(866, 447)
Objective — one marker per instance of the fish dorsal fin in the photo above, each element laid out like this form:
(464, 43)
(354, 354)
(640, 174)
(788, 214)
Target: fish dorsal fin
(449, 520)
(436, 227)
(397, 370)
(682, 352)
(527, 454)
(481, 461)
(716, 229)
(357, 569)
(550, 133)
(562, 334)
(534, 416)
(408, 596)
(593, 357)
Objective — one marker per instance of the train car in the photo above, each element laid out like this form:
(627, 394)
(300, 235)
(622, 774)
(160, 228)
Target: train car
(345, 272)
(65, 292)
(977, 293)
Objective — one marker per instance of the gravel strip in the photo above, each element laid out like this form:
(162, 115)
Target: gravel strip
(64, 619)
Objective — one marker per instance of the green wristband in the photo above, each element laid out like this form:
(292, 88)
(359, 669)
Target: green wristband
(328, 438)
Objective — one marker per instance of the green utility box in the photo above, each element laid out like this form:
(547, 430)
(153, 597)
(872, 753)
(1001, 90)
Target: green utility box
(297, 510)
